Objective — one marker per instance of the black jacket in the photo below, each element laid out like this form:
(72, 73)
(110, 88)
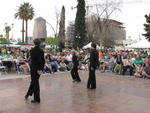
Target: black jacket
(94, 59)
(75, 60)
(37, 58)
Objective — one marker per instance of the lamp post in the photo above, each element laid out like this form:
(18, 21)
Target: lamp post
(77, 40)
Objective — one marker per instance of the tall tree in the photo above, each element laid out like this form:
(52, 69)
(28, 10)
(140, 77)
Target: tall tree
(57, 18)
(80, 29)
(20, 15)
(62, 29)
(7, 30)
(147, 27)
(29, 14)
(25, 12)
(101, 16)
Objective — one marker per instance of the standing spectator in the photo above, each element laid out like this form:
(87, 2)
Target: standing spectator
(69, 57)
(37, 66)
(93, 65)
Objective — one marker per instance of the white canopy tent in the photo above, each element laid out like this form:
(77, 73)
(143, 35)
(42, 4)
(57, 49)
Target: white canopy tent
(88, 46)
(142, 44)
(48, 46)
(13, 45)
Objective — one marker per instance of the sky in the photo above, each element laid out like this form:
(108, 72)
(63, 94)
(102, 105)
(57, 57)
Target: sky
(131, 14)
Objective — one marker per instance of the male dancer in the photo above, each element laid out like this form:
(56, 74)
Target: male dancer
(37, 65)
(93, 65)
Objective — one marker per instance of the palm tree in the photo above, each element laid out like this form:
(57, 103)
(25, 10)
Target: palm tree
(29, 14)
(25, 12)
(7, 30)
(20, 15)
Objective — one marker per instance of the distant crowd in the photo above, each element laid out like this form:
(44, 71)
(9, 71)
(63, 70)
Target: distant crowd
(134, 63)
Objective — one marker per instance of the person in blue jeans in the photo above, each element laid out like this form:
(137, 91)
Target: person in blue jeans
(54, 65)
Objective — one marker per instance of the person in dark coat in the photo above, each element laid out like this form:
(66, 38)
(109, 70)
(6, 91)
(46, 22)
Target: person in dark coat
(74, 71)
(37, 66)
(94, 60)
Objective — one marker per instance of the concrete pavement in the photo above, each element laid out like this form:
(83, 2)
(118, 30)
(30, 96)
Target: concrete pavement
(114, 94)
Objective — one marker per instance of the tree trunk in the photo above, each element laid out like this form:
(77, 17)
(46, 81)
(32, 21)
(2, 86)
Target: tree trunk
(22, 30)
(7, 36)
(26, 40)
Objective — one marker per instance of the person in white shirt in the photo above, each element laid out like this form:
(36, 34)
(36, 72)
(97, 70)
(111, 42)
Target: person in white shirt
(127, 64)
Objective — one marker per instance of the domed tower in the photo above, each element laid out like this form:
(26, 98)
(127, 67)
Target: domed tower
(39, 30)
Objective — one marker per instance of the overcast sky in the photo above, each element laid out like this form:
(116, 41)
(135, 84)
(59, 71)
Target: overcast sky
(132, 14)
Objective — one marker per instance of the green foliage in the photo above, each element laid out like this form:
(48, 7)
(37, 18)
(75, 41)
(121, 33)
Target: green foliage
(53, 41)
(3, 39)
(62, 29)
(7, 30)
(25, 12)
(147, 27)
(80, 28)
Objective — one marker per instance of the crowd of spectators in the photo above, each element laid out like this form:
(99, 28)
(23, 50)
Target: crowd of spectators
(120, 62)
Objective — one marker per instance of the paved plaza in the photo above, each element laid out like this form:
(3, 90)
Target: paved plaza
(114, 94)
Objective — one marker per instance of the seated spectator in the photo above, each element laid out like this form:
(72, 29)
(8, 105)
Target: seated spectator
(22, 64)
(25, 67)
(63, 66)
(108, 63)
(148, 60)
(118, 64)
(146, 70)
(127, 64)
(100, 54)
(48, 67)
(54, 64)
(69, 66)
(138, 63)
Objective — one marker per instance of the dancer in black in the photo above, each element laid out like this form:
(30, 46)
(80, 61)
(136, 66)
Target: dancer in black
(74, 71)
(93, 65)
(37, 66)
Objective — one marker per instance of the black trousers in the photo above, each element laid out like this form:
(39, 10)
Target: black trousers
(34, 88)
(91, 80)
(127, 67)
(75, 74)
